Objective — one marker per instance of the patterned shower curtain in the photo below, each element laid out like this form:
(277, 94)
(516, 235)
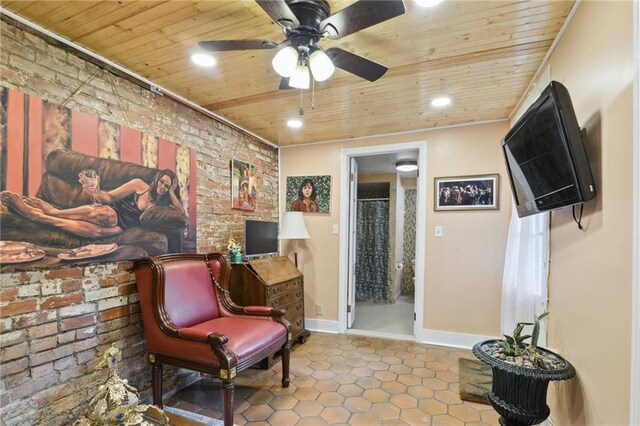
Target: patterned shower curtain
(372, 251)
(409, 242)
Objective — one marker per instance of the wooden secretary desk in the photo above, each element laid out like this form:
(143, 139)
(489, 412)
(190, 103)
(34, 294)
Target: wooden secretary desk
(274, 282)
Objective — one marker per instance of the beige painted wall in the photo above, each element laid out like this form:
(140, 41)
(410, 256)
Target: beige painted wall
(463, 269)
(590, 272)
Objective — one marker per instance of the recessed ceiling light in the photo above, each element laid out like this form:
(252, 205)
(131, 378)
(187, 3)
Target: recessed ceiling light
(407, 166)
(294, 123)
(441, 102)
(427, 3)
(203, 59)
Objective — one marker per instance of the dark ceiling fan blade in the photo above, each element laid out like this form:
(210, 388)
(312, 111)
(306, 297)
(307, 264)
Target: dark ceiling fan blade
(280, 12)
(284, 84)
(227, 45)
(355, 64)
(361, 15)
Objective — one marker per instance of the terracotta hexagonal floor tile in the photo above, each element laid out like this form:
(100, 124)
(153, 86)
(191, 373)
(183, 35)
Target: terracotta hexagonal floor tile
(327, 385)
(376, 395)
(385, 376)
(392, 360)
(420, 391)
(447, 397)
(340, 368)
(331, 399)
(385, 410)
(323, 374)
(257, 413)
(368, 383)
(260, 397)
(319, 365)
(371, 357)
(306, 394)
(308, 408)
(447, 376)
(333, 415)
(363, 419)
(400, 369)
(413, 363)
(350, 389)
(356, 362)
(394, 387)
(336, 359)
(437, 366)
(238, 420)
(346, 378)
(424, 373)
(284, 402)
(357, 404)
(426, 357)
(332, 352)
(445, 420)
(278, 390)
(415, 416)
(395, 422)
(283, 418)
(312, 421)
(490, 416)
(464, 413)
(403, 400)
(409, 379)
(305, 381)
(362, 372)
(432, 406)
(435, 384)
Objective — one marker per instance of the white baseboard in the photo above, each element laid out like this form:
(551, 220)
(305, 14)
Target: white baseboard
(324, 326)
(446, 338)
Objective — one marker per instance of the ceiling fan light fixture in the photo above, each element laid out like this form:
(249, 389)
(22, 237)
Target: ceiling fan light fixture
(321, 66)
(285, 61)
(203, 59)
(300, 77)
(407, 166)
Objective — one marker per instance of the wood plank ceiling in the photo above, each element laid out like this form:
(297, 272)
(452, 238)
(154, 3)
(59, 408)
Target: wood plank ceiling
(482, 54)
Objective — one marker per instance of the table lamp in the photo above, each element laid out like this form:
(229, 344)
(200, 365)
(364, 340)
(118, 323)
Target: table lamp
(293, 229)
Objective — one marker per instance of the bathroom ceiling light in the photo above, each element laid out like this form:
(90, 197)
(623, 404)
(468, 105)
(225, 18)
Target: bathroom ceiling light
(407, 166)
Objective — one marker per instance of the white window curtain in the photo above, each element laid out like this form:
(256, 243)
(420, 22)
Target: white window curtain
(526, 267)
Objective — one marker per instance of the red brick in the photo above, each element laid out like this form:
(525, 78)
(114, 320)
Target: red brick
(43, 330)
(18, 307)
(107, 281)
(58, 301)
(51, 355)
(8, 294)
(40, 345)
(77, 322)
(113, 313)
(124, 277)
(35, 318)
(71, 285)
(64, 273)
(10, 353)
(127, 289)
(13, 367)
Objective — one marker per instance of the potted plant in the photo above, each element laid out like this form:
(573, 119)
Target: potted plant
(235, 251)
(521, 375)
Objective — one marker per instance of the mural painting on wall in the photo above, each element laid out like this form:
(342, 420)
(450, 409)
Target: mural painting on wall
(243, 185)
(309, 194)
(76, 188)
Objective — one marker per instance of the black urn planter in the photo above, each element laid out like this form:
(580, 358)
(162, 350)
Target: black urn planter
(519, 394)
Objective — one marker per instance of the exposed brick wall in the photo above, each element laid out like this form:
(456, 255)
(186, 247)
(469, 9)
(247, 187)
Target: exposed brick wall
(55, 324)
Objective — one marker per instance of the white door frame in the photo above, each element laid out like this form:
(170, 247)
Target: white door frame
(421, 217)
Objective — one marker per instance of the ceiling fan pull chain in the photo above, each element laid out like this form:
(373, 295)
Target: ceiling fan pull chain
(313, 94)
(301, 110)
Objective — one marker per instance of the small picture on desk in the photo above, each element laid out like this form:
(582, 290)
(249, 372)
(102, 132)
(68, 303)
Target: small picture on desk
(309, 194)
(86, 187)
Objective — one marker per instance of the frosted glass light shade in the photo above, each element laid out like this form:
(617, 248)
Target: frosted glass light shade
(300, 77)
(321, 66)
(293, 227)
(407, 166)
(285, 61)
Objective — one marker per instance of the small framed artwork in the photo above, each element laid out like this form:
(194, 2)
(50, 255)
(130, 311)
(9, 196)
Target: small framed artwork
(478, 192)
(243, 185)
(309, 194)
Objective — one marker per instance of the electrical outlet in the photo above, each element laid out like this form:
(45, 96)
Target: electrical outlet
(319, 310)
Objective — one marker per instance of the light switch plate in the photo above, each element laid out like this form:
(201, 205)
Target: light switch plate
(336, 229)
(438, 232)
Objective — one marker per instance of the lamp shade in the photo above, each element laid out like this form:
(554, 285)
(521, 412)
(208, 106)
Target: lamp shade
(300, 78)
(285, 61)
(293, 227)
(321, 66)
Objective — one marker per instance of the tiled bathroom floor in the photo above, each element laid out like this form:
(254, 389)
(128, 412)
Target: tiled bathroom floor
(348, 380)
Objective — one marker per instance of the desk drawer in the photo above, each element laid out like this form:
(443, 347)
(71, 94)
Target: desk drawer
(276, 290)
(285, 299)
(293, 310)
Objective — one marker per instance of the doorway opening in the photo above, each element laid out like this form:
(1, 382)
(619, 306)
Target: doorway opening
(382, 246)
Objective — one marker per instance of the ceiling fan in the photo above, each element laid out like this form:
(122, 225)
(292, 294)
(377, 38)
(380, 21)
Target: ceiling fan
(305, 23)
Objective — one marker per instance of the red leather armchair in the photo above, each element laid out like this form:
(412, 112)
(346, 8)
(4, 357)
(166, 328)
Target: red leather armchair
(190, 321)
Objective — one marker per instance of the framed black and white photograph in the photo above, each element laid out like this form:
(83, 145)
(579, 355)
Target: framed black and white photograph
(478, 192)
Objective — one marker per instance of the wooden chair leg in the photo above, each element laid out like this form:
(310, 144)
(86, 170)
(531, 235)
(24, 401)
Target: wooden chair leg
(286, 352)
(156, 383)
(227, 404)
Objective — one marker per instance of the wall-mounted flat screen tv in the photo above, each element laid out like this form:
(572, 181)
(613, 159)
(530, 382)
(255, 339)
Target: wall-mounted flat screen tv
(260, 238)
(546, 159)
